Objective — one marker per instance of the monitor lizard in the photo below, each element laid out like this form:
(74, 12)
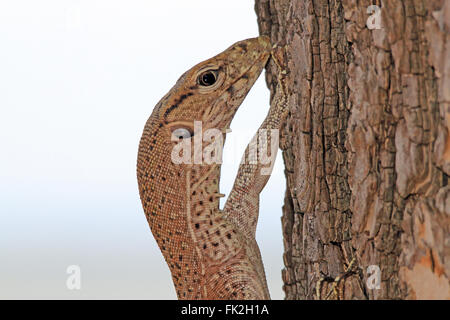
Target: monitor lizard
(211, 253)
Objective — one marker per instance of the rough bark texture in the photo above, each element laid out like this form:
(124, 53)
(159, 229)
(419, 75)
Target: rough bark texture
(366, 147)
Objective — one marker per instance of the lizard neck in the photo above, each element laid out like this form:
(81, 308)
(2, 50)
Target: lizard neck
(201, 205)
(177, 200)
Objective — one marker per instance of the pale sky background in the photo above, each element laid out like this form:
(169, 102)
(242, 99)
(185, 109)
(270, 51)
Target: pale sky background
(78, 80)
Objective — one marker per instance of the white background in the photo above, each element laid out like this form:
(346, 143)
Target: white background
(78, 80)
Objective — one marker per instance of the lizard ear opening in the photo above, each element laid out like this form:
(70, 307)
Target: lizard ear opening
(181, 133)
(181, 130)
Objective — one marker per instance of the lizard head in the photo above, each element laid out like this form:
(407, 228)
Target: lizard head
(212, 91)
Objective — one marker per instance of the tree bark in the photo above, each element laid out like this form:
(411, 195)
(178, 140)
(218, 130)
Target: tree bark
(366, 147)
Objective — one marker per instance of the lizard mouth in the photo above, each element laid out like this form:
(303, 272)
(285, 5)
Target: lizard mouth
(258, 53)
(255, 63)
(255, 69)
(246, 61)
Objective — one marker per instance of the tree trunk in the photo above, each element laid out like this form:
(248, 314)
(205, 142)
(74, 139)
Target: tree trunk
(366, 147)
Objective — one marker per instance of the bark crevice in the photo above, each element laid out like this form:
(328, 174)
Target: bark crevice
(366, 145)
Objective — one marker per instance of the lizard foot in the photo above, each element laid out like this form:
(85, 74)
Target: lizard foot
(335, 292)
(278, 55)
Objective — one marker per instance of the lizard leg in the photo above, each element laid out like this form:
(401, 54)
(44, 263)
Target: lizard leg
(242, 205)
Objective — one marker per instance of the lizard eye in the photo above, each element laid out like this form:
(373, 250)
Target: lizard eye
(207, 78)
(181, 133)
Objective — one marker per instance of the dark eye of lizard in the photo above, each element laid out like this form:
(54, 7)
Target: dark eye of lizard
(207, 78)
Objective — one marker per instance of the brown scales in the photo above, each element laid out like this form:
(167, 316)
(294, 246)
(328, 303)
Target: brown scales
(211, 253)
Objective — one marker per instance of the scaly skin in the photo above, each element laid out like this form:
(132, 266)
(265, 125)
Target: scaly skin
(211, 253)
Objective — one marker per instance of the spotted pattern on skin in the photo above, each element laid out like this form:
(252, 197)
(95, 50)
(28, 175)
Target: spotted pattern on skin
(208, 254)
